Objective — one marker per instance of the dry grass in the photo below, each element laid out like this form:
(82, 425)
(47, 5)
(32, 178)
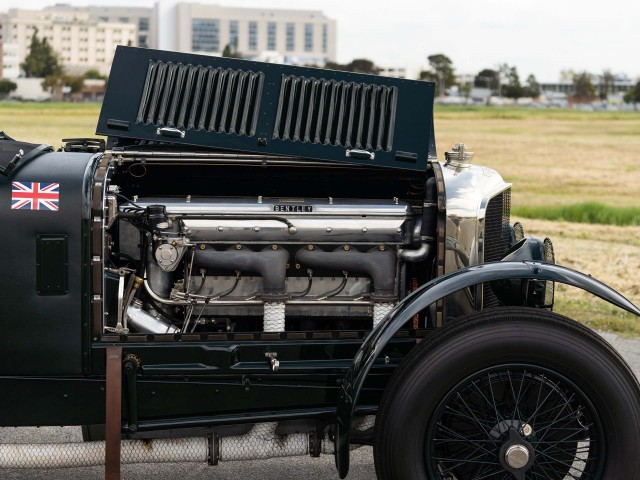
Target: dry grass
(553, 157)
(48, 122)
(608, 253)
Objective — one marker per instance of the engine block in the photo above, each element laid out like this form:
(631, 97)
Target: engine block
(229, 263)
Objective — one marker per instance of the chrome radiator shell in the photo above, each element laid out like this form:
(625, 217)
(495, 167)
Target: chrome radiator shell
(468, 190)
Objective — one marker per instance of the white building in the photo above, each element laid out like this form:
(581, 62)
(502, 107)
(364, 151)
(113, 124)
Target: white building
(81, 42)
(396, 72)
(86, 37)
(299, 36)
(141, 17)
(9, 62)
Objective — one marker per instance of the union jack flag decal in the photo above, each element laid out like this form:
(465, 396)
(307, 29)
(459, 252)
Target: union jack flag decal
(35, 196)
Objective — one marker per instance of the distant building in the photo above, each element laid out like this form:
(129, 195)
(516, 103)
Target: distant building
(480, 95)
(621, 83)
(81, 41)
(30, 89)
(9, 63)
(142, 17)
(397, 72)
(86, 37)
(297, 36)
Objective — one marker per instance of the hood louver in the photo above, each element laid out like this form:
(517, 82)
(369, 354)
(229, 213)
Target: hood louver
(195, 97)
(190, 102)
(348, 114)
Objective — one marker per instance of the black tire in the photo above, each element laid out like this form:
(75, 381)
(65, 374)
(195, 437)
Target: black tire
(588, 429)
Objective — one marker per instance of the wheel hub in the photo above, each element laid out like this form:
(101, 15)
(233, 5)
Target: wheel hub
(516, 456)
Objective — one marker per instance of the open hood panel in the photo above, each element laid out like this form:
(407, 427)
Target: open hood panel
(247, 106)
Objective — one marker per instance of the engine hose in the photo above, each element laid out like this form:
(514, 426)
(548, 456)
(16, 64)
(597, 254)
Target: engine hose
(202, 280)
(306, 290)
(228, 291)
(333, 293)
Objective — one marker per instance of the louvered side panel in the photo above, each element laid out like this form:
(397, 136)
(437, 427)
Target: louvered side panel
(201, 98)
(347, 114)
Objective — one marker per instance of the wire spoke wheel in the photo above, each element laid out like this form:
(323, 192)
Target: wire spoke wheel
(510, 394)
(515, 421)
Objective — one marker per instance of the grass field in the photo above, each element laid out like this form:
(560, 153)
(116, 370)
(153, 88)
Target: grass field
(565, 165)
(553, 157)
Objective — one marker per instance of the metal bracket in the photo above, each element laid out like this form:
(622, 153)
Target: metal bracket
(272, 358)
(315, 439)
(214, 449)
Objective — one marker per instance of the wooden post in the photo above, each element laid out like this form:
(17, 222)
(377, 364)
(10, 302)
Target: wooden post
(113, 421)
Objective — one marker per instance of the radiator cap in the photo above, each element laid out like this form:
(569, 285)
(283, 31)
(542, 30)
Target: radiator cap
(458, 157)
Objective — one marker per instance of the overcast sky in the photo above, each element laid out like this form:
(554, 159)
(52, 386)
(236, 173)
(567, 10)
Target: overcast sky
(538, 36)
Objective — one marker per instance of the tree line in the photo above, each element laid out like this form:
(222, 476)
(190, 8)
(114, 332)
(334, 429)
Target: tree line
(43, 62)
(503, 81)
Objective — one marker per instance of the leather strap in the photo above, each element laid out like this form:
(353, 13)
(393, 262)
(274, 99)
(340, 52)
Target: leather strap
(113, 421)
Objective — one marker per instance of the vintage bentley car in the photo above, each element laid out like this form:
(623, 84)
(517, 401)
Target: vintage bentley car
(265, 260)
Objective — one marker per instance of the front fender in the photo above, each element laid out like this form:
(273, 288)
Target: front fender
(430, 293)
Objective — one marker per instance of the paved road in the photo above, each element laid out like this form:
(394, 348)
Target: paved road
(276, 469)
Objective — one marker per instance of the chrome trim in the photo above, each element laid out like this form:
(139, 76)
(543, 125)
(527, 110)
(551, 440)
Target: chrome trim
(170, 132)
(360, 154)
(227, 220)
(468, 191)
(144, 322)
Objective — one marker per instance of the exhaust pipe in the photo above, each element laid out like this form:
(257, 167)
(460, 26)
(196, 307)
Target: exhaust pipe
(261, 442)
(66, 455)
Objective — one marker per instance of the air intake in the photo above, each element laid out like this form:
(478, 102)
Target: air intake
(202, 98)
(348, 114)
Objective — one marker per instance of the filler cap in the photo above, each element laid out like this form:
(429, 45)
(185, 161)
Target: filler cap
(458, 157)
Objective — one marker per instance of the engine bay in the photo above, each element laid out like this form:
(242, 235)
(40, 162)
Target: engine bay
(196, 263)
